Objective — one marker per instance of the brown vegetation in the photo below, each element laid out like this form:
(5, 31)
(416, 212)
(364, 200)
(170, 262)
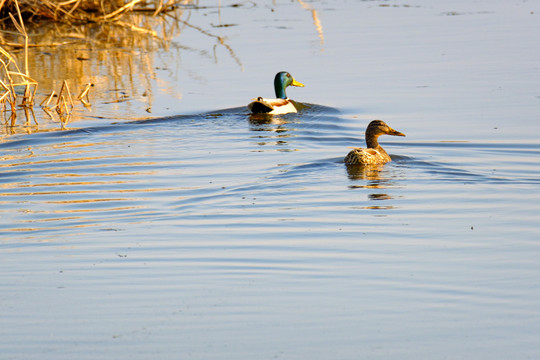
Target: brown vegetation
(85, 42)
(115, 22)
(82, 11)
(12, 78)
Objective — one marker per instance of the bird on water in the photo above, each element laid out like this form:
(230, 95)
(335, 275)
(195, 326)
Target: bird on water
(374, 153)
(282, 104)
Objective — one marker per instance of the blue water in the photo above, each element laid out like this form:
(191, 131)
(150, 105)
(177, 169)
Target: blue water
(217, 234)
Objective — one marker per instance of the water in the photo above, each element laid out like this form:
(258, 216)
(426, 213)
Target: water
(216, 234)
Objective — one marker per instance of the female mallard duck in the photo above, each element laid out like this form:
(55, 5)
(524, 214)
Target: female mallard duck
(281, 105)
(374, 154)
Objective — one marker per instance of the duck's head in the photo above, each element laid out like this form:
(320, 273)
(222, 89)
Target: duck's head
(281, 81)
(379, 127)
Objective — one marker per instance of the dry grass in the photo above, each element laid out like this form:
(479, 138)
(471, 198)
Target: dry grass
(17, 87)
(80, 26)
(15, 82)
(82, 11)
(12, 79)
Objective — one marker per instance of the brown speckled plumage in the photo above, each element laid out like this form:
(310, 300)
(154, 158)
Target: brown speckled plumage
(374, 153)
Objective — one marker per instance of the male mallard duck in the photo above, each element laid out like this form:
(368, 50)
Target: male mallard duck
(281, 105)
(374, 154)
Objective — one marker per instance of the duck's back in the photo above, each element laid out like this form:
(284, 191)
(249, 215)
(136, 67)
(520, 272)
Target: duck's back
(367, 156)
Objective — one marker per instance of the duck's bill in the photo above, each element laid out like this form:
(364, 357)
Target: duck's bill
(396, 133)
(296, 83)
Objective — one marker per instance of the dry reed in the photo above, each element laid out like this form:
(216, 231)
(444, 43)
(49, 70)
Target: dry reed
(16, 84)
(82, 11)
(12, 79)
(18, 88)
(110, 24)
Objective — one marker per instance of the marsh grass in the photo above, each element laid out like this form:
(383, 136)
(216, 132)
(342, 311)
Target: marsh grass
(17, 87)
(86, 42)
(81, 11)
(13, 79)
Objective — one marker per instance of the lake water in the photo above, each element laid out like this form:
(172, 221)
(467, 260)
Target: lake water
(166, 222)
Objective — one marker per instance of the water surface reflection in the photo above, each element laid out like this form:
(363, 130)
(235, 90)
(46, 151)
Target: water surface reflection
(375, 179)
(179, 236)
(140, 65)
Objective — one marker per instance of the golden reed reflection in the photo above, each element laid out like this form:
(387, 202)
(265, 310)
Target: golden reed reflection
(68, 185)
(118, 57)
(72, 192)
(70, 208)
(81, 211)
(54, 161)
(63, 222)
(316, 21)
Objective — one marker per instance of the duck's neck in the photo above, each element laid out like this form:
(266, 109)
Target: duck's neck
(371, 140)
(280, 89)
(373, 143)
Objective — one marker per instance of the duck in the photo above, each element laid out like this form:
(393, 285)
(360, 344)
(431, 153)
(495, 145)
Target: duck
(282, 104)
(374, 153)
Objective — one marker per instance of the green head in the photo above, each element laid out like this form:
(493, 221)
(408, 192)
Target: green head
(281, 81)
